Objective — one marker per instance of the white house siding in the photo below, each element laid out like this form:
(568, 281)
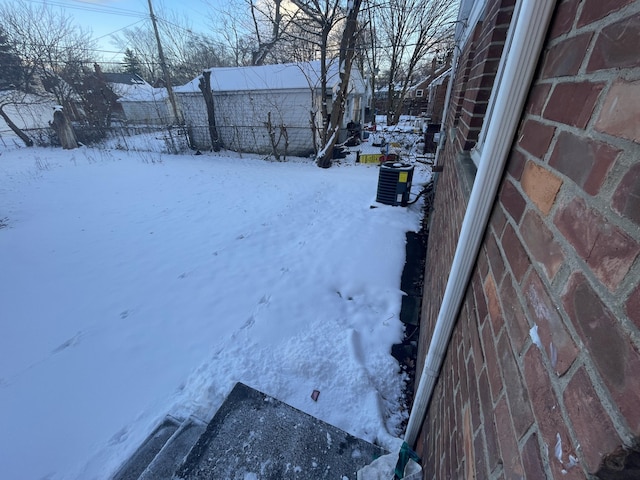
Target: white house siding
(241, 119)
(141, 112)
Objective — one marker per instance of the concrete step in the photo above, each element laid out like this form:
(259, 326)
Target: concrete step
(144, 455)
(256, 436)
(252, 436)
(172, 455)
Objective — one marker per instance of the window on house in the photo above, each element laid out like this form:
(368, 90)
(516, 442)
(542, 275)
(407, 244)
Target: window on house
(419, 93)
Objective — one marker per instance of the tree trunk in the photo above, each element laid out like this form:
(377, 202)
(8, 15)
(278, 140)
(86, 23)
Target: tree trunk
(23, 136)
(347, 53)
(63, 128)
(205, 88)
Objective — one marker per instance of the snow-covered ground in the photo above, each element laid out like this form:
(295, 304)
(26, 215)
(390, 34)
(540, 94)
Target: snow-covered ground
(135, 285)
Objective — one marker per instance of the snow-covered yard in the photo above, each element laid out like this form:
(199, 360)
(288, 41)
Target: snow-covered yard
(135, 285)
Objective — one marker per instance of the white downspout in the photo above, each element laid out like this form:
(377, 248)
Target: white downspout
(530, 22)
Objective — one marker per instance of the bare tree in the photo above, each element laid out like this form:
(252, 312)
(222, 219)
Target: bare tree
(270, 23)
(14, 97)
(233, 34)
(50, 45)
(317, 21)
(204, 84)
(410, 30)
(347, 54)
(11, 71)
(140, 40)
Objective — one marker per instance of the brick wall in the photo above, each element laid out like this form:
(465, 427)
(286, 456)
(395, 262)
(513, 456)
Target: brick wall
(560, 256)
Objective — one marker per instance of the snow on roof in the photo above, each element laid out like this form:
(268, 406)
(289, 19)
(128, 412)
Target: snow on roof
(265, 77)
(124, 78)
(132, 87)
(440, 79)
(138, 93)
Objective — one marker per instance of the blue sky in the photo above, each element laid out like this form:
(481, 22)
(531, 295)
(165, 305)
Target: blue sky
(105, 17)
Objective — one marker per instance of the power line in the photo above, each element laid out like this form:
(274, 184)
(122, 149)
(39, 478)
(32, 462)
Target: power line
(92, 8)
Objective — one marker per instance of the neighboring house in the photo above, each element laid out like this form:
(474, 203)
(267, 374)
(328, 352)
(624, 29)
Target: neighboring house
(436, 92)
(246, 98)
(124, 83)
(420, 97)
(141, 103)
(417, 99)
(531, 294)
(30, 113)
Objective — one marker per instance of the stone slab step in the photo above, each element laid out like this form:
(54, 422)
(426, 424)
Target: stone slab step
(256, 436)
(174, 452)
(138, 462)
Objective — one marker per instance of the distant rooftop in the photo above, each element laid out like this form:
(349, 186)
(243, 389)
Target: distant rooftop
(265, 77)
(124, 78)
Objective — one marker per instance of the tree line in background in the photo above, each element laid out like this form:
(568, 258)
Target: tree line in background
(391, 42)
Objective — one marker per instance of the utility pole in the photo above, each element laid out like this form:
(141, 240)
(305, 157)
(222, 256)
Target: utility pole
(165, 70)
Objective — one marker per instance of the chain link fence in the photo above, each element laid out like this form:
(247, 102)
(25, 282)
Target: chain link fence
(277, 141)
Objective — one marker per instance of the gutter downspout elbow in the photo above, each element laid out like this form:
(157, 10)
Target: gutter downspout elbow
(528, 28)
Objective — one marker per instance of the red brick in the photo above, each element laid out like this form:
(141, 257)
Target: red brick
(633, 306)
(537, 98)
(516, 321)
(619, 113)
(467, 435)
(508, 446)
(583, 160)
(608, 251)
(515, 389)
(515, 165)
(594, 10)
(613, 255)
(476, 347)
(491, 359)
(493, 303)
(480, 467)
(482, 265)
(494, 257)
(535, 137)
(515, 253)
(512, 201)
(489, 426)
(572, 103)
(594, 430)
(617, 46)
(559, 347)
(564, 58)
(531, 460)
(498, 220)
(481, 303)
(541, 244)
(563, 18)
(616, 359)
(547, 412)
(474, 397)
(580, 225)
(541, 186)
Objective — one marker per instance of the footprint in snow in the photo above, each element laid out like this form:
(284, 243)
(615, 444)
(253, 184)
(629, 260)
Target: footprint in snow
(249, 323)
(73, 341)
(120, 436)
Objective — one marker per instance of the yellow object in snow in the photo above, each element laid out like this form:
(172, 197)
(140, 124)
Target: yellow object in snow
(370, 157)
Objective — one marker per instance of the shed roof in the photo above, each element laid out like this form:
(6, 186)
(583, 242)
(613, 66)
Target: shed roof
(265, 77)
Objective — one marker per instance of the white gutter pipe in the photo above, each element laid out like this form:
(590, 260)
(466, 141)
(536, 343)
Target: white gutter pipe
(529, 25)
